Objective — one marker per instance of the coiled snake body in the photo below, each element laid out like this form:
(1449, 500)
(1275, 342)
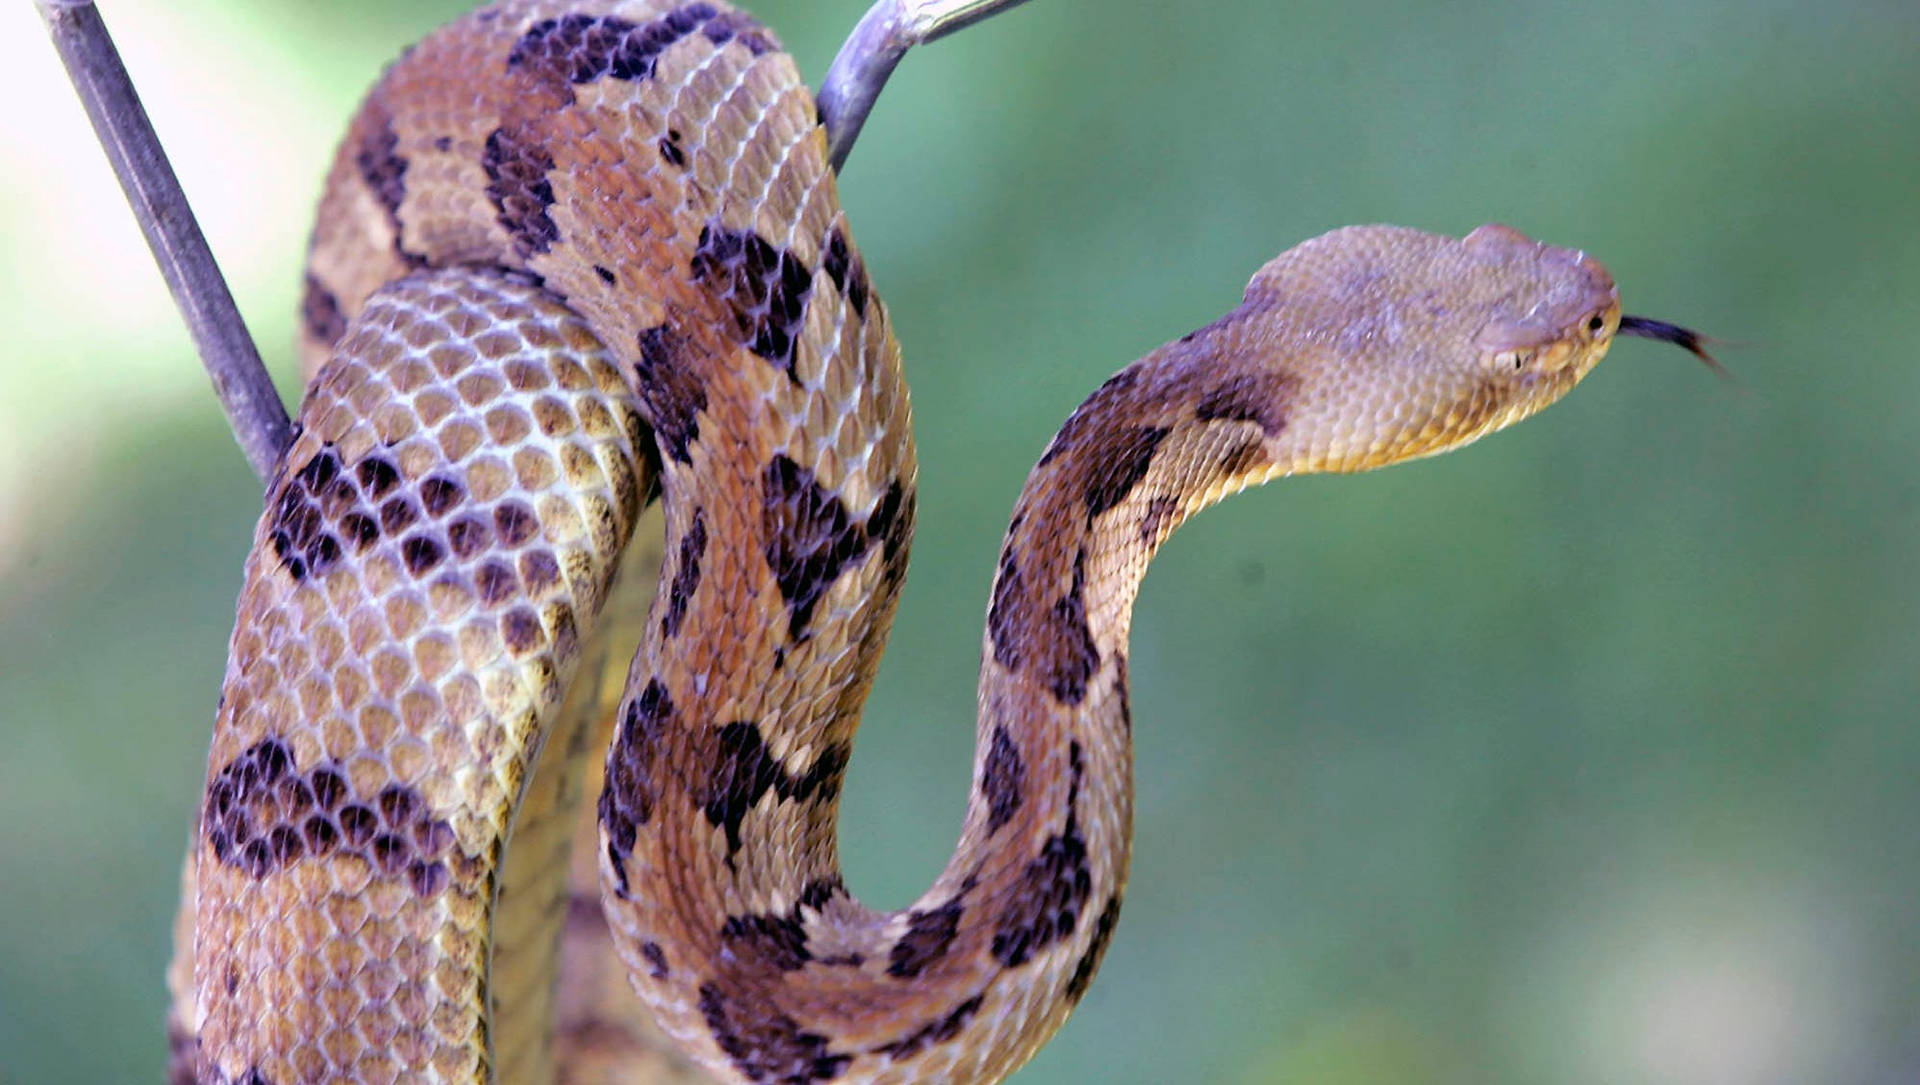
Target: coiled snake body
(574, 249)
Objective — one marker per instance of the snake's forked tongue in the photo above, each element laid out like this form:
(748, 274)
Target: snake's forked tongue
(1692, 341)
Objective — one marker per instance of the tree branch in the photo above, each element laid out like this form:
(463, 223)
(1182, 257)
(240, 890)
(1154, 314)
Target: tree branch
(863, 65)
(254, 411)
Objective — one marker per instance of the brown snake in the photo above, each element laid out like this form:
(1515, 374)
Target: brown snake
(572, 251)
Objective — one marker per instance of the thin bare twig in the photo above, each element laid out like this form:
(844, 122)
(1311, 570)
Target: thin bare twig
(258, 418)
(879, 40)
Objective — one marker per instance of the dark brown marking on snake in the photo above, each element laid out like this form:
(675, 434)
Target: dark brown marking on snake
(1003, 610)
(1052, 890)
(1158, 521)
(1260, 398)
(253, 1076)
(517, 168)
(742, 769)
(671, 150)
(515, 523)
(440, 495)
(262, 815)
(420, 553)
(686, 575)
(1003, 781)
(320, 313)
(816, 893)
(496, 583)
(1097, 948)
(520, 631)
(583, 48)
(736, 26)
(1121, 694)
(933, 1032)
(845, 268)
(605, 275)
(1238, 461)
(810, 537)
(764, 287)
(778, 940)
(891, 523)
(630, 794)
(469, 536)
(766, 1045)
(1093, 415)
(398, 514)
(539, 574)
(359, 529)
(929, 935)
(671, 394)
(656, 959)
(381, 166)
(377, 476)
(1117, 465)
(1063, 648)
(298, 527)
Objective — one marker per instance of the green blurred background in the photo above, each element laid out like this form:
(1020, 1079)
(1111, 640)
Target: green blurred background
(1589, 755)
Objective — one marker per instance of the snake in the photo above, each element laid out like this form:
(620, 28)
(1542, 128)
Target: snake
(576, 259)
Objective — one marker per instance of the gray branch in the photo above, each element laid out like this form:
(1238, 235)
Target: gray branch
(879, 40)
(254, 411)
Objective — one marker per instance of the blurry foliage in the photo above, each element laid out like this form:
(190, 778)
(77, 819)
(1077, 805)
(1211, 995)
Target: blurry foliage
(1586, 756)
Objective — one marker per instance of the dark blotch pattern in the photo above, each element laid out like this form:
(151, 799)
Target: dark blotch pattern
(891, 522)
(811, 540)
(929, 935)
(301, 529)
(1054, 639)
(1261, 398)
(766, 1045)
(779, 940)
(1052, 889)
(1112, 476)
(381, 167)
(737, 26)
(517, 166)
(320, 313)
(844, 267)
(583, 48)
(1094, 415)
(933, 1032)
(765, 288)
(672, 150)
(263, 814)
(686, 574)
(630, 794)
(670, 391)
(743, 769)
(1090, 960)
(656, 960)
(1003, 781)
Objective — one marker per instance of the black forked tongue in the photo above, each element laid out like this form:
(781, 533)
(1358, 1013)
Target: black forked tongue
(1693, 342)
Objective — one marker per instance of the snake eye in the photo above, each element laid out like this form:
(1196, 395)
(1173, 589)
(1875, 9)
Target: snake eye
(1595, 323)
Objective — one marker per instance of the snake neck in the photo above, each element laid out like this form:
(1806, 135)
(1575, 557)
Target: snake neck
(719, 817)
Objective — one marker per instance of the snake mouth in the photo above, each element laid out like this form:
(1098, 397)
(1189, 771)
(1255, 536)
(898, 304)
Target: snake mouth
(1685, 338)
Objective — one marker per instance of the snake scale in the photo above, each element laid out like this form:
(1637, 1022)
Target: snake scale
(576, 254)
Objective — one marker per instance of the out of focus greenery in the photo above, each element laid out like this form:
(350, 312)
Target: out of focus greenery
(1590, 755)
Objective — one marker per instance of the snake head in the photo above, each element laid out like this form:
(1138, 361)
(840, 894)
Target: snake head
(1409, 343)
